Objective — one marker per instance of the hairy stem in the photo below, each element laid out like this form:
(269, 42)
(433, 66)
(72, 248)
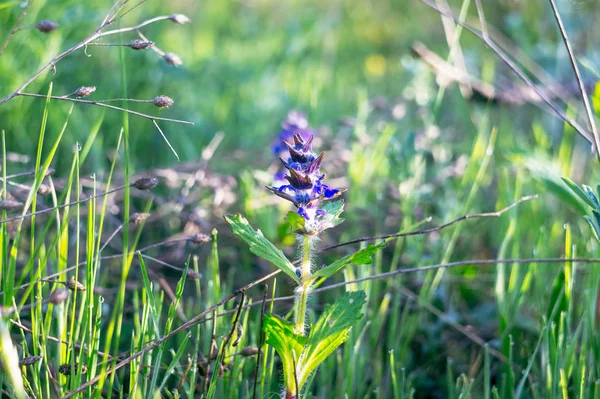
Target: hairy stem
(303, 290)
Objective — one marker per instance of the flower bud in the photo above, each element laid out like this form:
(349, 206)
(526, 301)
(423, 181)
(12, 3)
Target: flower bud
(138, 44)
(179, 19)
(145, 183)
(29, 360)
(44, 189)
(173, 59)
(73, 285)
(58, 296)
(84, 91)
(46, 26)
(65, 369)
(163, 101)
(193, 275)
(249, 351)
(200, 239)
(138, 217)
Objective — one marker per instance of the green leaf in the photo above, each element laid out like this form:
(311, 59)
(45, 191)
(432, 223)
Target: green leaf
(280, 335)
(362, 257)
(295, 221)
(589, 192)
(594, 223)
(260, 246)
(332, 218)
(333, 207)
(577, 190)
(330, 331)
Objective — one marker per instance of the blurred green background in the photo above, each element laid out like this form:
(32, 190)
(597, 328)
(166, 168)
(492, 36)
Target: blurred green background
(405, 149)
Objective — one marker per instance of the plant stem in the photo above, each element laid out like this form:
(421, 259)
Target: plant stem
(304, 289)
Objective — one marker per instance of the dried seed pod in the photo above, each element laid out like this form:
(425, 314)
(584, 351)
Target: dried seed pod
(249, 351)
(240, 334)
(200, 239)
(163, 101)
(65, 369)
(173, 59)
(10, 205)
(58, 296)
(179, 19)
(29, 360)
(138, 217)
(46, 26)
(138, 44)
(73, 285)
(44, 189)
(84, 91)
(201, 358)
(145, 183)
(193, 275)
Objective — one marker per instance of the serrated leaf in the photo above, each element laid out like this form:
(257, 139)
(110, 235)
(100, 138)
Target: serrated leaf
(330, 331)
(260, 246)
(295, 221)
(289, 346)
(361, 257)
(577, 190)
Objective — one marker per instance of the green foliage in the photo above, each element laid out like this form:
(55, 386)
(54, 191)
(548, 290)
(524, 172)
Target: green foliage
(587, 195)
(301, 356)
(259, 245)
(360, 257)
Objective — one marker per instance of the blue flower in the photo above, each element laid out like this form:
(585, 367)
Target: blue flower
(306, 189)
(294, 123)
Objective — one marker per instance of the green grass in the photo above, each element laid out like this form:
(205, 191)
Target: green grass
(415, 155)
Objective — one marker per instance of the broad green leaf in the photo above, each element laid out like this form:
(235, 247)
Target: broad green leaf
(280, 335)
(260, 246)
(362, 257)
(594, 225)
(577, 190)
(330, 331)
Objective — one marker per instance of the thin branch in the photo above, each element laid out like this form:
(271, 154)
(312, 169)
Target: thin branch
(433, 229)
(42, 211)
(166, 140)
(423, 268)
(108, 17)
(54, 339)
(448, 320)
(173, 332)
(508, 61)
(233, 328)
(15, 28)
(136, 27)
(102, 104)
(584, 96)
(132, 8)
(98, 33)
(108, 257)
(480, 13)
(155, 47)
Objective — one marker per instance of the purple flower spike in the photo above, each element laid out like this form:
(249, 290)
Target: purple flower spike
(306, 189)
(294, 123)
